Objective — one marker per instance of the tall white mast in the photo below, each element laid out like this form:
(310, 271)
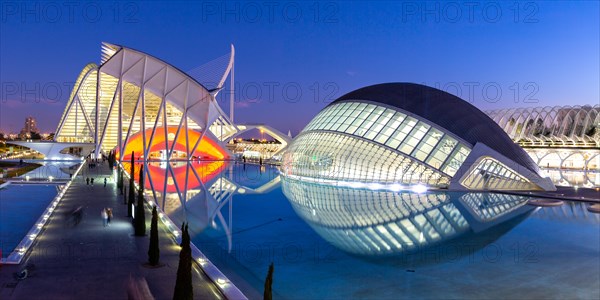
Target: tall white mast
(232, 85)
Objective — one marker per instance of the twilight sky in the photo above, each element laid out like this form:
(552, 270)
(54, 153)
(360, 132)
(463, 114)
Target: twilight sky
(292, 58)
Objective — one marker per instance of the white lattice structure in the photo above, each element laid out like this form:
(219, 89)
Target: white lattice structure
(563, 140)
(135, 103)
(558, 126)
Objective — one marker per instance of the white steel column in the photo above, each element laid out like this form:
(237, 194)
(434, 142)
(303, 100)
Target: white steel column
(232, 86)
(97, 117)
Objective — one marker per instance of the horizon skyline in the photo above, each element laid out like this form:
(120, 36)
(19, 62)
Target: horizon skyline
(532, 54)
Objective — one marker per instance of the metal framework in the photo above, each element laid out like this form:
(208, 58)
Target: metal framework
(136, 102)
(134, 97)
(558, 126)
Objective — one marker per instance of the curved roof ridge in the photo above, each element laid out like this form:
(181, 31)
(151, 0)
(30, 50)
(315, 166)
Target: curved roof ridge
(121, 47)
(447, 111)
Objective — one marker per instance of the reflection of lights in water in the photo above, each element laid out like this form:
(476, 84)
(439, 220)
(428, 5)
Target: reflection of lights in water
(395, 187)
(419, 188)
(375, 186)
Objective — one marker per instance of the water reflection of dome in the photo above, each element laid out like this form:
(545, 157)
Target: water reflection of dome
(376, 223)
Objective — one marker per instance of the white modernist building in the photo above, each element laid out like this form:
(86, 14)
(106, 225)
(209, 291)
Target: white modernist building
(563, 140)
(136, 103)
(409, 136)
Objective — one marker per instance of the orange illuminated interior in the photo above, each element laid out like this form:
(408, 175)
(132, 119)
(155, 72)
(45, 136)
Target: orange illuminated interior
(207, 149)
(206, 170)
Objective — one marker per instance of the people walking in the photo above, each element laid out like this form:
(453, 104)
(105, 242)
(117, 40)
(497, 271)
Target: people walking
(77, 215)
(109, 215)
(92, 181)
(104, 217)
(104, 181)
(87, 181)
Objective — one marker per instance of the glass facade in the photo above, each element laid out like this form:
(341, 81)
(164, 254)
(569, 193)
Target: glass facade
(490, 174)
(366, 142)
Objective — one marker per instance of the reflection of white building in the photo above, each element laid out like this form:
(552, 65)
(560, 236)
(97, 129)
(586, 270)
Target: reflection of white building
(403, 135)
(374, 223)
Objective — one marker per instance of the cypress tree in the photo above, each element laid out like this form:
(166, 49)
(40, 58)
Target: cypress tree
(268, 295)
(125, 196)
(140, 212)
(120, 181)
(111, 162)
(154, 249)
(131, 197)
(183, 286)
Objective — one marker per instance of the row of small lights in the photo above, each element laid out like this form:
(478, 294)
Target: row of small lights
(221, 281)
(394, 187)
(50, 178)
(33, 233)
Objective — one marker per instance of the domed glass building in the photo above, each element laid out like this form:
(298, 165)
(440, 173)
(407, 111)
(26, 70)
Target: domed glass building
(400, 136)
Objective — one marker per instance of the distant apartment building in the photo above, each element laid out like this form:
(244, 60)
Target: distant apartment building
(30, 126)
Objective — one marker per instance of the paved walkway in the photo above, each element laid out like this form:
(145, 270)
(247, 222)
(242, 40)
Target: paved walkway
(90, 261)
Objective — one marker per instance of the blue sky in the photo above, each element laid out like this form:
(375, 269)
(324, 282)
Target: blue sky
(292, 58)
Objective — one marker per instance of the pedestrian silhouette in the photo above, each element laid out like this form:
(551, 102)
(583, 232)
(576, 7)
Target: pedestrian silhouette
(105, 182)
(87, 181)
(104, 216)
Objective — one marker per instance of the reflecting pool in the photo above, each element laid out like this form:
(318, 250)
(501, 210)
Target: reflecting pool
(339, 242)
(56, 169)
(20, 207)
